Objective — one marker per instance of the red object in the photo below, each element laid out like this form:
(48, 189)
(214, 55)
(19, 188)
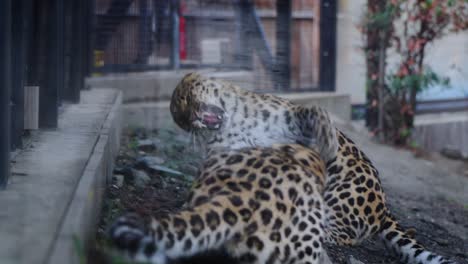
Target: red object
(182, 36)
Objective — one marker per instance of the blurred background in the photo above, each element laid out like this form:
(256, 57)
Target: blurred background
(396, 69)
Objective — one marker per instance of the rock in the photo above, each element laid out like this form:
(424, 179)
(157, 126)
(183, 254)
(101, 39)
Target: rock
(126, 171)
(146, 162)
(141, 179)
(146, 145)
(156, 141)
(411, 232)
(138, 132)
(159, 168)
(118, 180)
(352, 260)
(441, 241)
(452, 153)
(182, 138)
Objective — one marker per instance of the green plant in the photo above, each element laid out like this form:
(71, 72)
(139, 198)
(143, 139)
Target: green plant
(79, 249)
(391, 97)
(133, 144)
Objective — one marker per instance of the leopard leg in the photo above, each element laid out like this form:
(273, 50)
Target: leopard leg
(191, 231)
(296, 242)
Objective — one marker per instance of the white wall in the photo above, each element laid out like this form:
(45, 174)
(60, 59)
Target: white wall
(447, 56)
(350, 65)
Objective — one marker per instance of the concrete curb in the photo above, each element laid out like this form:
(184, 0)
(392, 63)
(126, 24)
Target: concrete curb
(80, 220)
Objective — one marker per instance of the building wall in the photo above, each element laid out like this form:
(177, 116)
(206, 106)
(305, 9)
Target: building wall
(448, 57)
(350, 65)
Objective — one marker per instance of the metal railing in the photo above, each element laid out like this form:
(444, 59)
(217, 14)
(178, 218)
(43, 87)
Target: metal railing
(45, 43)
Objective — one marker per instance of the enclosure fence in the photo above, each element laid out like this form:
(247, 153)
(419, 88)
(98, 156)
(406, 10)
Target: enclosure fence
(286, 45)
(48, 47)
(45, 53)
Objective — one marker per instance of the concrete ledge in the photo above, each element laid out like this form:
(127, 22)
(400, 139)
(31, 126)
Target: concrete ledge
(157, 115)
(437, 131)
(57, 183)
(82, 215)
(159, 85)
(337, 103)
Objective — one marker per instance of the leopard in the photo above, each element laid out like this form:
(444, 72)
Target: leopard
(260, 204)
(224, 115)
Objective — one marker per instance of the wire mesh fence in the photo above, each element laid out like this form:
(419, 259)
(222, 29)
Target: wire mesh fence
(53, 45)
(283, 44)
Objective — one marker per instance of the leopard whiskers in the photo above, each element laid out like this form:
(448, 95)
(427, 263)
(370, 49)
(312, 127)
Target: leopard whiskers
(197, 142)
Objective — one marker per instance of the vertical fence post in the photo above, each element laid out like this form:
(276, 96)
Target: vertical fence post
(68, 51)
(143, 33)
(76, 60)
(5, 84)
(175, 58)
(283, 45)
(91, 24)
(60, 52)
(85, 37)
(19, 39)
(48, 29)
(327, 45)
(243, 44)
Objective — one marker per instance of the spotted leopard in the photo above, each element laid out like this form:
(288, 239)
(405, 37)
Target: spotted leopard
(226, 116)
(262, 205)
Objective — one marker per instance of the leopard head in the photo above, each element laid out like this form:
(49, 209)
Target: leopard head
(195, 103)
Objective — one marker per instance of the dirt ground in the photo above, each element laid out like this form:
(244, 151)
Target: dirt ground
(441, 222)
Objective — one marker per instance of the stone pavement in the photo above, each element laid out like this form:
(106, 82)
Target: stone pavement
(46, 174)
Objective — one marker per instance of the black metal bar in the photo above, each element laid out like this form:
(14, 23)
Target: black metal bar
(444, 105)
(60, 51)
(327, 67)
(68, 45)
(152, 67)
(76, 59)
(91, 19)
(161, 19)
(5, 83)
(283, 45)
(84, 42)
(259, 40)
(243, 46)
(175, 55)
(144, 48)
(48, 95)
(19, 38)
(106, 26)
(34, 45)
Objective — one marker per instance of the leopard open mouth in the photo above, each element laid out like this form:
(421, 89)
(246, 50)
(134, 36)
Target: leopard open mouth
(208, 116)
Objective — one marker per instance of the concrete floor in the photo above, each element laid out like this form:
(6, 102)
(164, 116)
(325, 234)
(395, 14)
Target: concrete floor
(402, 172)
(45, 177)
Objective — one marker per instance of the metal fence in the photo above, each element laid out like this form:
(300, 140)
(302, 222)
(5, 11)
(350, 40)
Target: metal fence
(54, 44)
(287, 45)
(44, 43)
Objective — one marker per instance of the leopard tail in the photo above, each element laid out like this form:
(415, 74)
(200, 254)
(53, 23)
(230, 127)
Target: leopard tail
(402, 243)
